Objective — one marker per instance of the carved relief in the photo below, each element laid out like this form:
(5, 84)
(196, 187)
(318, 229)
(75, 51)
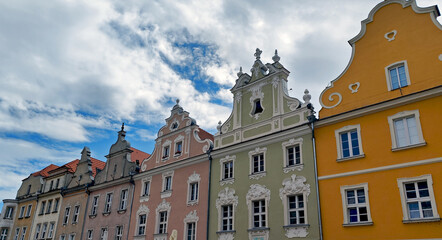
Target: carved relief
(293, 105)
(238, 96)
(225, 236)
(143, 209)
(294, 185)
(354, 87)
(331, 99)
(163, 206)
(195, 177)
(226, 197)
(191, 217)
(257, 192)
(293, 232)
(275, 81)
(390, 36)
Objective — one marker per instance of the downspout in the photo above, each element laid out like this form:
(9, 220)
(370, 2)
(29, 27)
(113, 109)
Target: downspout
(85, 210)
(131, 202)
(312, 119)
(208, 195)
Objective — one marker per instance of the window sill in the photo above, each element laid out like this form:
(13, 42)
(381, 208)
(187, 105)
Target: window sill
(20, 217)
(121, 211)
(298, 167)
(165, 159)
(421, 220)
(227, 181)
(166, 193)
(296, 225)
(258, 229)
(357, 224)
(54, 211)
(409, 146)
(25, 217)
(226, 231)
(106, 213)
(177, 154)
(257, 175)
(350, 158)
(92, 215)
(192, 203)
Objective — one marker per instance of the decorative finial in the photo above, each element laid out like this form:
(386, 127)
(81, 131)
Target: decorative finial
(219, 126)
(258, 54)
(276, 57)
(240, 72)
(122, 127)
(307, 96)
(177, 101)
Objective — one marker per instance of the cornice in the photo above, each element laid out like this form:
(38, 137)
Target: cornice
(112, 183)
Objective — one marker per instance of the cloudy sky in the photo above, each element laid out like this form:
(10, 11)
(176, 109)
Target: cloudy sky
(72, 71)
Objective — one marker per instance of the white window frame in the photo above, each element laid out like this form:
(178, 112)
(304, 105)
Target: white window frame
(166, 148)
(4, 234)
(142, 210)
(226, 197)
(37, 231)
(108, 202)
(258, 192)
(67, 212)
(405, 214)
(145, 181)
(23, 233)
(191, 218)
(346, 206)
(71, 236)
(193, 180)
(179, 139)
(396, 65)
(28, 210)
(17, 233)
(94, 207)
(252, 154)
(76, 214)
(42, 207)
(119, 232)
(44, 228)
(227, 159)
(22, 211)
(229, 218)
(90, 234)
(104, 233)
(291, 143)
(403, 115)
(49, 206)
(339, 149)
(9, 211)
(56, 203)
(162, 207)
(62, 237)
(141, 225)
(162, 224)
(167, 190)
(51, 230)
(124, 195)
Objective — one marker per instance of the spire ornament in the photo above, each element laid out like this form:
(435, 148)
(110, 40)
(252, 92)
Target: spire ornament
(240, 72)
(276, 58)
(258, 54)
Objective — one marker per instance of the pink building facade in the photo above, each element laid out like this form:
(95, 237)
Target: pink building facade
(171, 191)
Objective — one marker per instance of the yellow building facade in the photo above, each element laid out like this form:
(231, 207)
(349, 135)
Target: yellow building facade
(378, 138)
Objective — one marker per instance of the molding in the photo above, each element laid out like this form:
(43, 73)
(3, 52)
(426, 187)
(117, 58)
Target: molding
(345, 205)
(292, 142)
(257, 151)
(257, 192)
(345, 129)
(223, 160)
(383, 168)
(387, 35)
(402, 115)
(350, 158)
(409, 146)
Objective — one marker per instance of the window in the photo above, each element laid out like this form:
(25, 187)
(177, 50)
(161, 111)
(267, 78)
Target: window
(29, 190)
(76, 213)
(17, 233)
(259, 214)
(42, 208)
(72, 236)
(4, 234)
(23, 233)
(94, 205)
(178, 148)
(142, 224)
(123, 199)
(227, 166)
(356, 207)
(48, 209)
(57, 183)
(28, 211)
(51, 230)
(397, 75)
(257, 163)
(66, 215)
(103, 235)
(228, 170)
(167, 184)
(258, 198)
(257, 108)
(227, 218)
(119, 233)
(90, 234)
(193, 188)
(296, 210)
(108, 204)
(22, 212)
(57, 201)
(166, 150)
(405, 130)
(37, 231)
(43, 230)
(162, 224)
(417, 198)
(62, 237)
(348, 142)
(292, 154)
(193, 192)
(174, 125)
(191, 231)
(8, 213)
(146, 188)
(52, 185)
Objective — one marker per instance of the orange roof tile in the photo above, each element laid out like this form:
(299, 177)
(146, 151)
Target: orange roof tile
(205, 135)
(97, 164)
(45, 171)
(138, 155)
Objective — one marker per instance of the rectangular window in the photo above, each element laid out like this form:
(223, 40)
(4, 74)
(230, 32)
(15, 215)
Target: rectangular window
(168, 183)
(258, 163)
(162, 226)
(193, 192)
(4, 234)
(178, 148)
(142, 224)
(119, 233)
(259, 214)
(29, 190)
(57, 201)
(76, 213)
(17, 233)
(29, 210)
(51, 230)
(418, 200)
(37, 231)
(71, 236)
(58, 182)
(227, 218)
(23, 233)
(66, 215)
(90, 234)
(355, 203)
(22, 212)
(146, 188)
(52, 185)
(48, 209)
(9, 211)
(191, 234)
(123, 199)
(406, 131)
(166, 151)
(108, 204)
(296, 210)
(293, 155)
(398, 77)
(103, 235)
(44, 228)
(228, 170)
(349, 143)
(42, 207)
(94, 205)
(62, 237)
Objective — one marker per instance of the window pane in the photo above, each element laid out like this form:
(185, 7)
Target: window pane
(402, 76)
(361, 196)
(399, 128)
(350, 197)
(394, 78)
(345, 145)
(412, 130)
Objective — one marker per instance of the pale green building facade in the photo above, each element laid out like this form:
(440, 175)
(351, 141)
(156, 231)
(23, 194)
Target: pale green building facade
(262, 183)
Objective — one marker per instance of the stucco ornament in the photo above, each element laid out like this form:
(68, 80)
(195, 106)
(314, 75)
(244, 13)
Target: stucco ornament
(163, 206)
(390, 36)
(256, 192)
(294, 185)
(331, 98)
(275, 81)
(294, 232)
(174, 235)
(354, 87)
(195, 177)
(226, 197)
(226, 236)
(143, 209)
(191, 217)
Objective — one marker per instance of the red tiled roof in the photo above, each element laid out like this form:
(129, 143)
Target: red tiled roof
(45, 171)
(97, 164)
(138, 155)
(71, 166)
(205, 135)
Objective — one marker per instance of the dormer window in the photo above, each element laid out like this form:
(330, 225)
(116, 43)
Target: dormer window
(257, 108)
